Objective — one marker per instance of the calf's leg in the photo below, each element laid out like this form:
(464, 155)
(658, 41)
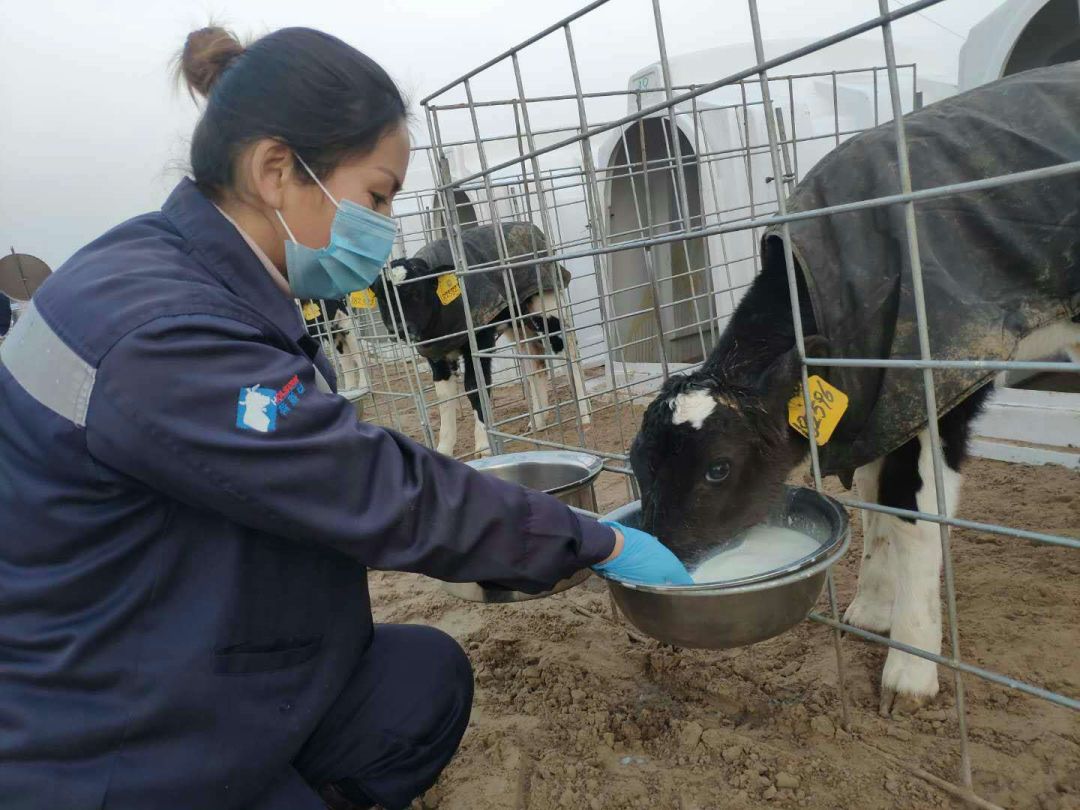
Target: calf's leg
(571, 349)
(446, 392)
(535, 379)
(353, 375)
(917, 608)
(872, 607)
(566, 342)
(480, 437)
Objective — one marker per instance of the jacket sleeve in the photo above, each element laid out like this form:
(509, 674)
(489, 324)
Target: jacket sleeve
(204, 410)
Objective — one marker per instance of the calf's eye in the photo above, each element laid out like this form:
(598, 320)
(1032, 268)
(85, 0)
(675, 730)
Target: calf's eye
(717, 472)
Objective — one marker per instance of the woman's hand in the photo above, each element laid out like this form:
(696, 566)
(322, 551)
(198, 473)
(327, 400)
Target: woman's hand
(640, 557)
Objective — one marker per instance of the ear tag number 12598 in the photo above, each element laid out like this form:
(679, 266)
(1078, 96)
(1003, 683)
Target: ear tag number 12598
(829, 404)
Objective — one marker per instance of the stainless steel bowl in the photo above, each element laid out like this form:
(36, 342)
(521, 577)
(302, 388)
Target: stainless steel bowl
(566, 475)
(745, 611)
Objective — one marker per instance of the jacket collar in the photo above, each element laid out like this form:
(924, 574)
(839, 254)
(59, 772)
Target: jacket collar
(222, 250)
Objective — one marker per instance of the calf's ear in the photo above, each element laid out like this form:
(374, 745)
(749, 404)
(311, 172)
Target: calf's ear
(778, 382)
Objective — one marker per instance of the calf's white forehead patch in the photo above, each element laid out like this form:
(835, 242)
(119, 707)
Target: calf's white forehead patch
(692, 407)
(397, 274)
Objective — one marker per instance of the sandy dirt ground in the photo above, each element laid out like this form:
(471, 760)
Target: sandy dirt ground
(573, 710)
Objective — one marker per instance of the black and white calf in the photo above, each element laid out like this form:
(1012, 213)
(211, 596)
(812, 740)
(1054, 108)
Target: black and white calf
(1003, 272)
(455, 373)
(437, 325)
(715, 447)
(334, 331)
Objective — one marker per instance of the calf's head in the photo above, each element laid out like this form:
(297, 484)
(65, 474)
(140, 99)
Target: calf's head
(413, 283)
(713, 453)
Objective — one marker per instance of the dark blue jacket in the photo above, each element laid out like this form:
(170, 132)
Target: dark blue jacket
(5, 314)
(187, 514)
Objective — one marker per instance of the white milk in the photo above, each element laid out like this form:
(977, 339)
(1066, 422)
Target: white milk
(763, 548)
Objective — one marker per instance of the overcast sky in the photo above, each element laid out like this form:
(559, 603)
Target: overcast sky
(92, 131)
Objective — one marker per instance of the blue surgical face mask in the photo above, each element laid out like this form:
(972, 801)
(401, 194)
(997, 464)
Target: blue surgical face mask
(360, 243)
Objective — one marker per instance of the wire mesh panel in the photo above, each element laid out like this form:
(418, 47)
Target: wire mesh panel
(635, 314)
(654, 198)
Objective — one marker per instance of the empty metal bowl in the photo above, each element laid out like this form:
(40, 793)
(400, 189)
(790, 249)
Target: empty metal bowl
(566, 475)
(739, 612)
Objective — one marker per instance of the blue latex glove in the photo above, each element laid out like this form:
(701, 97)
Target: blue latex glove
(644, 559)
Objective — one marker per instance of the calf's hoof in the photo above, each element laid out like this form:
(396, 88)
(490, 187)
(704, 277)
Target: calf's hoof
(907, 683)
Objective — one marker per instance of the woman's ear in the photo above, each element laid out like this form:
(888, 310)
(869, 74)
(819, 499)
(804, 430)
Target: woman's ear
(270, 169)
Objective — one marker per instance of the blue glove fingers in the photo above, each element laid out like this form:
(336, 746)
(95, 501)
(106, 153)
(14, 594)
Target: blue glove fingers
(644, 559)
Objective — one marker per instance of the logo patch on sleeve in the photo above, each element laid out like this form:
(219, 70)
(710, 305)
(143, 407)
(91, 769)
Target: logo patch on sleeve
(258, 408)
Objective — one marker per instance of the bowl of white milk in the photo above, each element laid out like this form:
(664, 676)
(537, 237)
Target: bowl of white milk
(747, 588)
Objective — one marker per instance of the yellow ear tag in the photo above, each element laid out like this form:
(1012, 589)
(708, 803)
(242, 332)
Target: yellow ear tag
(363, 299)
(829, 404)
(311, 311)
(448, 290)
